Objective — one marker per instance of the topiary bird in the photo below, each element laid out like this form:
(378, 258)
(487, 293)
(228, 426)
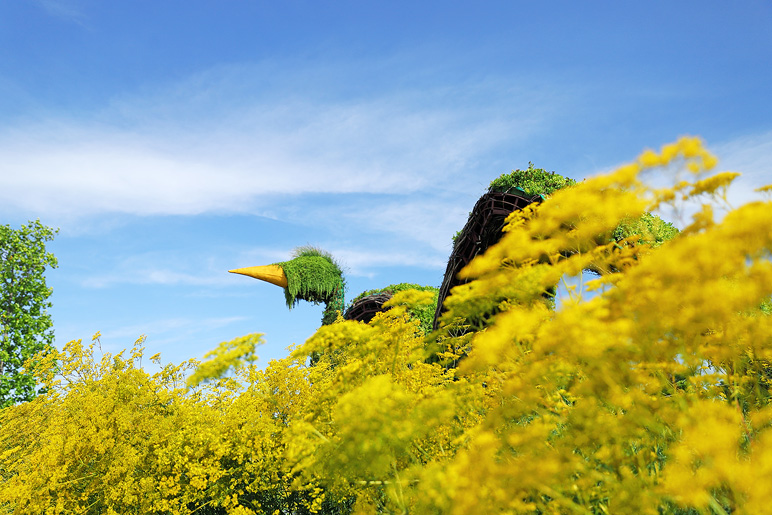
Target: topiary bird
(311, 275)
(314, 276)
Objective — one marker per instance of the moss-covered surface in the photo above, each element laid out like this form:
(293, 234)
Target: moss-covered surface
(651, 230)
(537, 181)
(528, 183)
(314, 276)
(425, 315)
(532, 181)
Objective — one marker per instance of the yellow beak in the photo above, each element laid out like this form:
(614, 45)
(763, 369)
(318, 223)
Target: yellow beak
(269, 273)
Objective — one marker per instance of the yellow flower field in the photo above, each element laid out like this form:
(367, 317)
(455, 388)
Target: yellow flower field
(646, 390)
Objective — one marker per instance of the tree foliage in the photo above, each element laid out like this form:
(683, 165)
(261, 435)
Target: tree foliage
(26, 328)
(647, 391)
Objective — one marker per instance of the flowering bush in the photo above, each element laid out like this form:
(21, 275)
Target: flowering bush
(645, 391)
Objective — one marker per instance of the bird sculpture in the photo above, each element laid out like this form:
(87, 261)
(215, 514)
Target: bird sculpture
(313, 275)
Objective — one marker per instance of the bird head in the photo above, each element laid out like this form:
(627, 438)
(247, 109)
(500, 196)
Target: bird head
(311, 275)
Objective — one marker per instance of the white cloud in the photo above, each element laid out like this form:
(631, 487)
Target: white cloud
(425, 218)
(750, 155)
(361, 262)
(169, 335)
(208, 145)
(149, 275)
(64, 9)
(180, 327)
(168, 268)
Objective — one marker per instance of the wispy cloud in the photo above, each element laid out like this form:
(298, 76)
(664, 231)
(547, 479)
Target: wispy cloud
(363, 262)
(750, 155)
(428, 218)
(165, 268)
(64, 9)
(149, 275)
(195, 149)
(180, 327)
(169, 336)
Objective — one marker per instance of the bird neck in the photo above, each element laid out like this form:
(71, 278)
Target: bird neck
(335, 305)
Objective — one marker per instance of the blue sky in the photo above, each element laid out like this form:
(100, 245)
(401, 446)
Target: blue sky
(172, 141)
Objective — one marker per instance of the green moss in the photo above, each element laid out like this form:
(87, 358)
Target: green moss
(313, 276)
(536, 181)
(650, 228)
(533, 181)
(425, 315)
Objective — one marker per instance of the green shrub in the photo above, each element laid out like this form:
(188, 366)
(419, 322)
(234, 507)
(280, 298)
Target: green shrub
(425, 315)
(533, 181)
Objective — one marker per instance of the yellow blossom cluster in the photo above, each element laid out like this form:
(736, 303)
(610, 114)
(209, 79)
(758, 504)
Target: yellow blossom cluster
(643, 390)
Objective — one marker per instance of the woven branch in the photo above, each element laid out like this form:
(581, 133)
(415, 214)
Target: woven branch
(482, 229)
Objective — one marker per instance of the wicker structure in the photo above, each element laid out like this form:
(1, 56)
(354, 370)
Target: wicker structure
(365, 308)
(482, 229)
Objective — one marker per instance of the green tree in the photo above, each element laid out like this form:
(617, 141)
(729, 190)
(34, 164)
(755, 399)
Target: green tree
(26, 328)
